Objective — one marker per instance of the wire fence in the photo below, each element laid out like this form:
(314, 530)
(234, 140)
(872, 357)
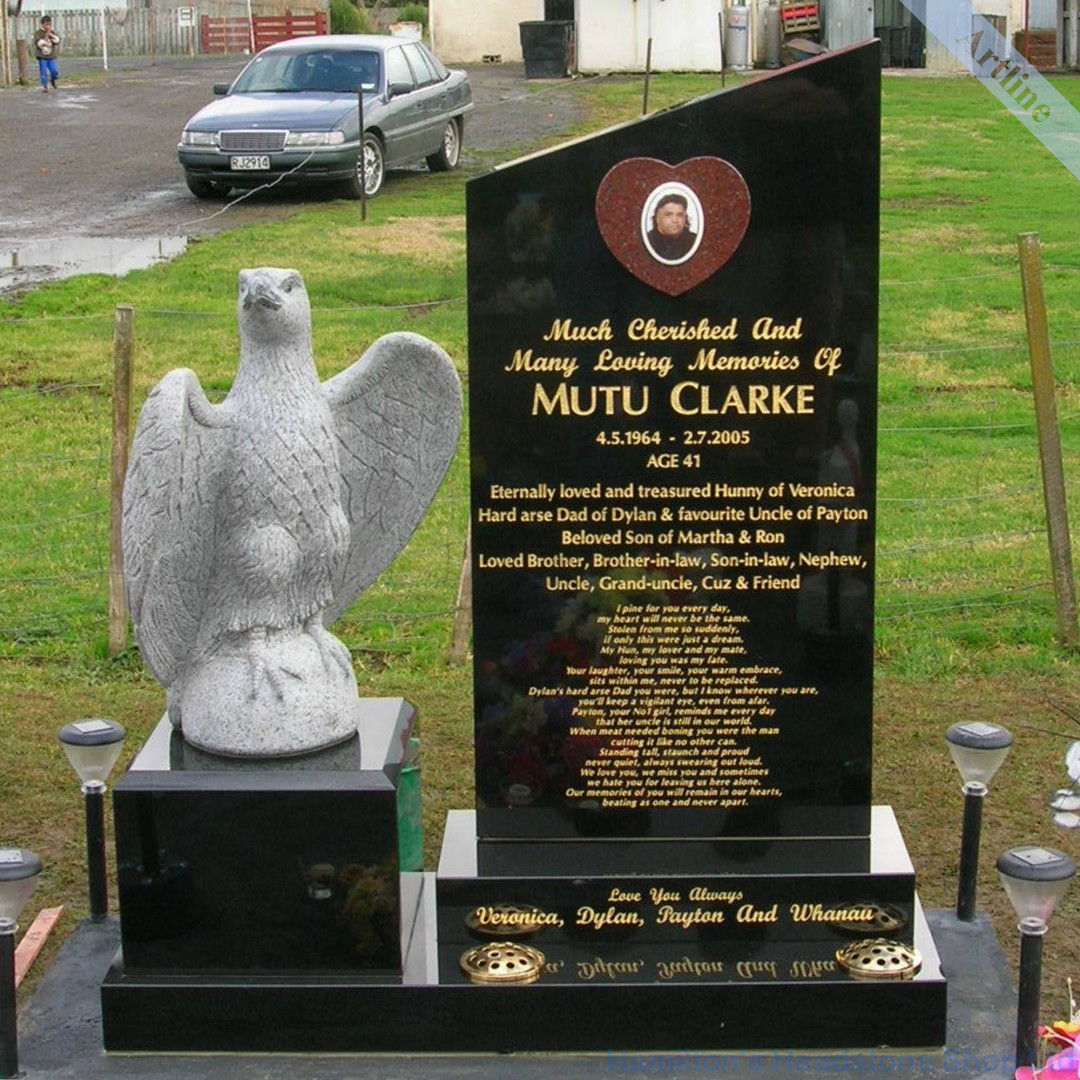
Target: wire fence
(962, 526)
(54, 542)
(961, 538)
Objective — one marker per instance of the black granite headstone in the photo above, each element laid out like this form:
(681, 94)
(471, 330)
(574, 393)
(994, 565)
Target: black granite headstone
(673, 415)
(673, 412)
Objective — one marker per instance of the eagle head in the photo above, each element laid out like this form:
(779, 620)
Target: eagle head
(273, 304)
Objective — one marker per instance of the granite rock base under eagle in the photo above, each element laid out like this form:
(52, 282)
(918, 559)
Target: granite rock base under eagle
(251, 525)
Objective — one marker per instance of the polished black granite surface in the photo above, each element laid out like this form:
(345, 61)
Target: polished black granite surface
(673, 470)
(226, 865)
(595, 1000)
(711, 903)
(60, 1033)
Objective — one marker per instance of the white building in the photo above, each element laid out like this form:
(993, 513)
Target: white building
(614, 35)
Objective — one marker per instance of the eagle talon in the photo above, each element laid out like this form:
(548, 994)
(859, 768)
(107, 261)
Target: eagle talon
(330, 649)
(263, 668)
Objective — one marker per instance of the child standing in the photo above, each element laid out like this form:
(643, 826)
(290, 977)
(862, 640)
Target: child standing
(47, 44)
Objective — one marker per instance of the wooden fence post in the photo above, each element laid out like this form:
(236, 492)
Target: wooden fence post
(459, 639)
(1053, 473)
(123, 341)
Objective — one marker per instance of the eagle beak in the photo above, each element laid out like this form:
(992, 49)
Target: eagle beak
(261, 291)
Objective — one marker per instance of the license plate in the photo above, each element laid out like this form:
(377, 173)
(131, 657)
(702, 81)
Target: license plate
(252, 162)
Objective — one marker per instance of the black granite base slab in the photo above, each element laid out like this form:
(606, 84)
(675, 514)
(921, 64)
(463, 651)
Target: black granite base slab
(673, 855)
(732, 963)
(60, 1034)
(184, 1013)
(179, 1017)
(739, 902)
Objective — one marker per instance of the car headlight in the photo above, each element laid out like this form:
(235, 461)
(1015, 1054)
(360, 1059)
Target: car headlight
(315, 138)
(199, 138)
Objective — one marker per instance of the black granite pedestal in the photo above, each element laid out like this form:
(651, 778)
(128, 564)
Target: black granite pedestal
(267, 872)
(718, 949)
(698, 987)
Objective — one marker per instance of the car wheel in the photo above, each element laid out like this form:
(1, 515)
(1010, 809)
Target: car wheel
(450, 151)
(374, 169)
(202, 188)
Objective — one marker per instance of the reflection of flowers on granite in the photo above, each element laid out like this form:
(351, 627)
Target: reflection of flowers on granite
(522, 742)
(370, 908)
(578, 618)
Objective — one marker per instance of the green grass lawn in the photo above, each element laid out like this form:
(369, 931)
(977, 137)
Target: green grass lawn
(966, 625)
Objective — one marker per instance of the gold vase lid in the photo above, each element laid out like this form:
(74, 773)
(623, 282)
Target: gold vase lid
(502, 963)
(879, 958)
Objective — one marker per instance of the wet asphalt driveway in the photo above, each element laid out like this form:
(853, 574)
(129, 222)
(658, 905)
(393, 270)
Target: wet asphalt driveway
(98, 158)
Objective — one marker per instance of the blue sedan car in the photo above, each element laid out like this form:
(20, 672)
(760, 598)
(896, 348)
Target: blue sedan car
(293, 116)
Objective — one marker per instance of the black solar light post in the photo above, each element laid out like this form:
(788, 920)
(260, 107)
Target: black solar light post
(978, 750)
(92, 747)
(19, 871)
(1035, 879)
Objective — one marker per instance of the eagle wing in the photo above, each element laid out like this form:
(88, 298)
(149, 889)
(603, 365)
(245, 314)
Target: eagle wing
(168, 523)
(397, 417)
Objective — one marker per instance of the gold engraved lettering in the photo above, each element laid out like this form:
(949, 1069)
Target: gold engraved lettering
(768, 329)
(607, 361)
(588, 970)
(822, 491)
(681, 712)
(701, 895)
(491, 916)
(664, 896)
(687, 917)
(702, 330)
(696, 399)
(747, 913)
(588, 400)
(565, 330)
(673, 969)
(801, 913)
(708, 360)
(597, 920)
(525, 361)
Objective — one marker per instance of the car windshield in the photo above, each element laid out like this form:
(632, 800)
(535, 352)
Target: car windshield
(323, 71)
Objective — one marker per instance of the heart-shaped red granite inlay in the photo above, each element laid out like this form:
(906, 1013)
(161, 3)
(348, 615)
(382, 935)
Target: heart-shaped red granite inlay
(638, 207)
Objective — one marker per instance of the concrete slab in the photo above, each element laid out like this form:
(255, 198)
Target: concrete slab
(60, 1034)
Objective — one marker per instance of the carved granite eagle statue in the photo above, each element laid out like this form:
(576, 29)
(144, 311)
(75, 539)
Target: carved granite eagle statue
(249, 526)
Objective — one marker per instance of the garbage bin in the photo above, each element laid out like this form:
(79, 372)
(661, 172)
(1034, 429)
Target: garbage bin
(545, 47)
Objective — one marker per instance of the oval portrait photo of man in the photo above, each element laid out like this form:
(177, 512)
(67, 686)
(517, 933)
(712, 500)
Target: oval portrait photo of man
(672, 223)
